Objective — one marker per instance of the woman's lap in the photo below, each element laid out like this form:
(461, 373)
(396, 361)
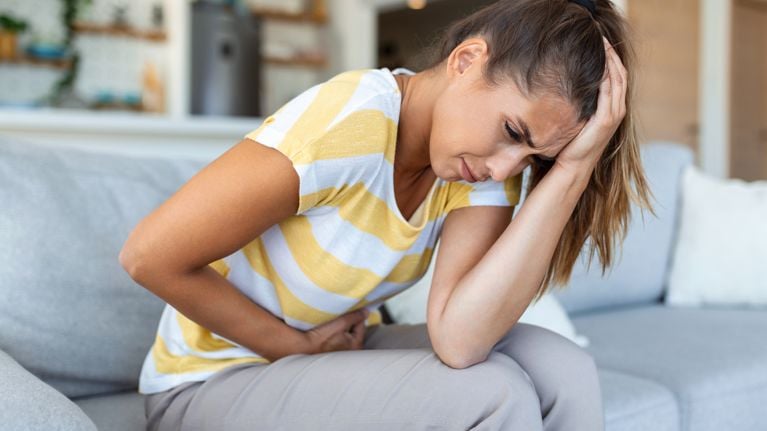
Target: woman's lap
(396, 382)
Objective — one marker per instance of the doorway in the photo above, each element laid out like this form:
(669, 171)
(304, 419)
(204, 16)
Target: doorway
(404, 35)
(748, 100)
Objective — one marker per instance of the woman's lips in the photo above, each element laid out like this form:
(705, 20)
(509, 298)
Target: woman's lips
(466, 172)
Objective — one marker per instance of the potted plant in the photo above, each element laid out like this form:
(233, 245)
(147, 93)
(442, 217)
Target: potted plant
(63, 93)
(9, 29)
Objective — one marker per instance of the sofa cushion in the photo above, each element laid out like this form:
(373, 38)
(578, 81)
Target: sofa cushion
(630, 403)
(28, 404)
(635, 404)
(639, 275)
(721, 249)
(116, 412)
(70, 313)
(713, 359)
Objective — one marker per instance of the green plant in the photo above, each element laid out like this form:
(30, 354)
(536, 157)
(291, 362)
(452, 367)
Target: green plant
(69, 12)
(11, 24)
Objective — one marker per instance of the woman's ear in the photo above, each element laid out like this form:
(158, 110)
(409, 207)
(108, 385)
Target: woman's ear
(472, 51)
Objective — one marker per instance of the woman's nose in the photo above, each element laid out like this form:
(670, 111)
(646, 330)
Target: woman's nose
(504, 166)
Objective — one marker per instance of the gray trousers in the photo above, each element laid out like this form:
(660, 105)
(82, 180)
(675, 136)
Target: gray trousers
(534, 379)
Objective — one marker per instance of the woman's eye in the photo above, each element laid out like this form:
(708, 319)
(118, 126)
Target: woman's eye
(541, 161)
(512, 133)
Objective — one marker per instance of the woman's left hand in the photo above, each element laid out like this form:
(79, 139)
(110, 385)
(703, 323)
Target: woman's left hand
(584, 151)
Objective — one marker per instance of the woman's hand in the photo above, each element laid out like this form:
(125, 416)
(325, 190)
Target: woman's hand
(345, 332)
(588, 146)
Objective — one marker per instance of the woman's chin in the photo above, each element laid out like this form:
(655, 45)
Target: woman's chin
(449, 176)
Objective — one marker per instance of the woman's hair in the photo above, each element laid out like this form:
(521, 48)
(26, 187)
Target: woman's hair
(556, 46)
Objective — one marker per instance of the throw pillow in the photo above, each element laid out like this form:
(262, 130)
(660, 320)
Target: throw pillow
(28, 404)
(720, 254)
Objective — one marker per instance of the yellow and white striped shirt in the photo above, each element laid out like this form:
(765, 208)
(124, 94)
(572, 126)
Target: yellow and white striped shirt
(347, 247)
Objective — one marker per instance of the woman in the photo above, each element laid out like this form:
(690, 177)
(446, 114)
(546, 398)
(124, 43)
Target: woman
(346, 190)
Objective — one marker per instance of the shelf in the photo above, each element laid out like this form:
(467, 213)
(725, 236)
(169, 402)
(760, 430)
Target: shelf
(34, 61)
(280, 15)
(108, 29)
(297, 61)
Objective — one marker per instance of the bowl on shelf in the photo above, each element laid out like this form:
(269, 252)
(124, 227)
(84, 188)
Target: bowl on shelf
(47, 51)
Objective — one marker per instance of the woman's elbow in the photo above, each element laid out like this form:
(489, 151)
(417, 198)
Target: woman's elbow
(453, 355)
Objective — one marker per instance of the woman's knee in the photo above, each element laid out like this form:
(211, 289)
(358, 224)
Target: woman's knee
(498, 376)
(550, 358)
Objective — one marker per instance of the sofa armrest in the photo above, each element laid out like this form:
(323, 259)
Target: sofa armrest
(28, 404)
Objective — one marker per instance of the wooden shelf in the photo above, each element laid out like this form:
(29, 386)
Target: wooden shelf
(34, 61)
(280, 15)
(297, 61)
(153, 35)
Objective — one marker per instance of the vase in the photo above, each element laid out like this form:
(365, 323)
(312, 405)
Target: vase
(8, 43)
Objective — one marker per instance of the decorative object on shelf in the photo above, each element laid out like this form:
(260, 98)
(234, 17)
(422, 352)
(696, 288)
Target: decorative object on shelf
(158, 17)
(318, 10)
(120, 25)
(108, 100)
(46, 51)
(119, 19)
(153, 95)
(9, 29)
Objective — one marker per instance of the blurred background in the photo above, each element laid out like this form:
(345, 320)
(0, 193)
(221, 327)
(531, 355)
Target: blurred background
(190, 78)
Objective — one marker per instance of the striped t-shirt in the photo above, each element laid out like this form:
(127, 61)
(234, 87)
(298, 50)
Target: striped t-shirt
(347, 247)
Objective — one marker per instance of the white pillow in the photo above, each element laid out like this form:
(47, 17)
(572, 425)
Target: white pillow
(409, 306)
(720, 256)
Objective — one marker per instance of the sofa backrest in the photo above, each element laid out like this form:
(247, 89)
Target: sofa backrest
(69, 312)
(71, 315)
(639, 275)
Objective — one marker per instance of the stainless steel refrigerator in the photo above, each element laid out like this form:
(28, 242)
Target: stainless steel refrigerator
(226, 60)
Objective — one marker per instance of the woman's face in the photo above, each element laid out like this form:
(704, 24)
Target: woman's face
(486, 129)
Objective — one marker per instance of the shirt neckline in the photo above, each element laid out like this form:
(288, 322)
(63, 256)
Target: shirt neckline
(390, 181)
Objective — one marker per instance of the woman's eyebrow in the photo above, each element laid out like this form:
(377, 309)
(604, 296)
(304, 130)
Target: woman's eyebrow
(526, 133)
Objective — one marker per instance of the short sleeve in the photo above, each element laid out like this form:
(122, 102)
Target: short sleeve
(492, 193)
(310, 131)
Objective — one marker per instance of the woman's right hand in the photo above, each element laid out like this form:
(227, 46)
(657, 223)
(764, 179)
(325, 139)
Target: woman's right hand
(587, 147)
(345, 332)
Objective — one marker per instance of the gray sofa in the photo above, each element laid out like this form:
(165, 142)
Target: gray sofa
(74, 327)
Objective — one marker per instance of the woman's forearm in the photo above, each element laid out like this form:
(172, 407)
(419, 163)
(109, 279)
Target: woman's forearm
(210, 300)
(492, 296)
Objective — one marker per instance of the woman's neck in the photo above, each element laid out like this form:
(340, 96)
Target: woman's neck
(418, 92)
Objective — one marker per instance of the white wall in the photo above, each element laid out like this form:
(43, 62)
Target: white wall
(715, 59)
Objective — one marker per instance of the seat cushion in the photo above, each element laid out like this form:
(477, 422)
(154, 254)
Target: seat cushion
(635, 404)
(638, 275)
(115, 412)
(714, 359)
(631, 404)
(70, 313)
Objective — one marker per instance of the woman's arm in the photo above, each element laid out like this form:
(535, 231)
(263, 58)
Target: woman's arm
(489, 299)
(207, 298)
(219, 210)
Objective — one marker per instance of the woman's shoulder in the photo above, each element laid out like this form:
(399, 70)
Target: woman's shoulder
(356, 106)
(363, 90)
(368, 82)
